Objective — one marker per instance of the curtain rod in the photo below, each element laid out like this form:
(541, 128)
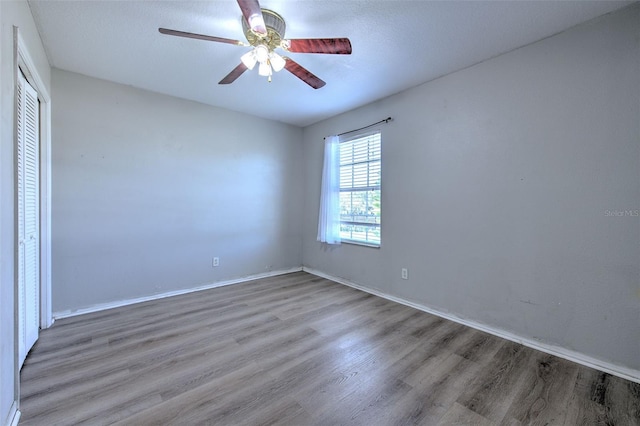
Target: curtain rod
(386, 120)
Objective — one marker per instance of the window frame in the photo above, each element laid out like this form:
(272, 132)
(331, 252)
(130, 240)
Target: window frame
(378, 224)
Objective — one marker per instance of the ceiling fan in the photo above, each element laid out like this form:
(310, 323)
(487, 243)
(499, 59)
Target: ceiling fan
(264, 30)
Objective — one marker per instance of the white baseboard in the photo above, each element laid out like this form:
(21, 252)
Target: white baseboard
(14, 415)
(577, 357)
(111, 305)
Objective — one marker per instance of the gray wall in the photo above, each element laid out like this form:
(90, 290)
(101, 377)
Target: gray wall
(18, 14)
(496, 184)
(147, 189)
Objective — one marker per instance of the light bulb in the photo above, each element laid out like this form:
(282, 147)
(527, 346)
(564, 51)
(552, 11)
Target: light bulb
(277, 61)
(264, 69)
(249, 59)
(262, 53)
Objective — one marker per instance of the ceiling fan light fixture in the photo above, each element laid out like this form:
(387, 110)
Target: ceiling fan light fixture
(262, 53)
(249, 59)
(277, 61)
(264, 69)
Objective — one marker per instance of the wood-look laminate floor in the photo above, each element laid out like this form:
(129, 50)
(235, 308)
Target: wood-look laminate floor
(301, 350)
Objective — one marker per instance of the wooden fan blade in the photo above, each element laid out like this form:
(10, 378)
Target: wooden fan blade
(253, 15)
(336, 46)
(199, 36)
(303, 74)
(233, 75)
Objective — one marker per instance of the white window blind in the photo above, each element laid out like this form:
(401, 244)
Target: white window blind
(360, 176)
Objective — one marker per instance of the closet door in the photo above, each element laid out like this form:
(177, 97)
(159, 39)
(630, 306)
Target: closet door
(28, 164)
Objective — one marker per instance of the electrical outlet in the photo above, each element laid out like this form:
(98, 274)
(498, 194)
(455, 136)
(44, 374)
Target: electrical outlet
(405, 274)
(216, 261)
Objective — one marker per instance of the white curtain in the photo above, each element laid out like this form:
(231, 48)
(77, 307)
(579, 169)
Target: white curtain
(329, 217)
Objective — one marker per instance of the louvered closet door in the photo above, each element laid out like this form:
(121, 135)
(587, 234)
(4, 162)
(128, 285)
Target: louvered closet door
(27, 115)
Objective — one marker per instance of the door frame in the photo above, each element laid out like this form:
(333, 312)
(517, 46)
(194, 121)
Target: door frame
(24, 63)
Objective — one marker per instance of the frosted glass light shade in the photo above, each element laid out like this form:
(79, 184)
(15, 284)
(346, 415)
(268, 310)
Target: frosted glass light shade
(277, 61)
(249, 59)
(262, 53)
(264, 69)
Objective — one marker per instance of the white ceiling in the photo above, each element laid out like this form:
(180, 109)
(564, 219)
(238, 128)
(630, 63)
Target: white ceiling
(396, 45)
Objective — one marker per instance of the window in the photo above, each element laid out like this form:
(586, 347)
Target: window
(360, 174)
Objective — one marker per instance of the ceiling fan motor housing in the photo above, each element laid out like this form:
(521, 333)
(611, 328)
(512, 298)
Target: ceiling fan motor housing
(275, 30)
